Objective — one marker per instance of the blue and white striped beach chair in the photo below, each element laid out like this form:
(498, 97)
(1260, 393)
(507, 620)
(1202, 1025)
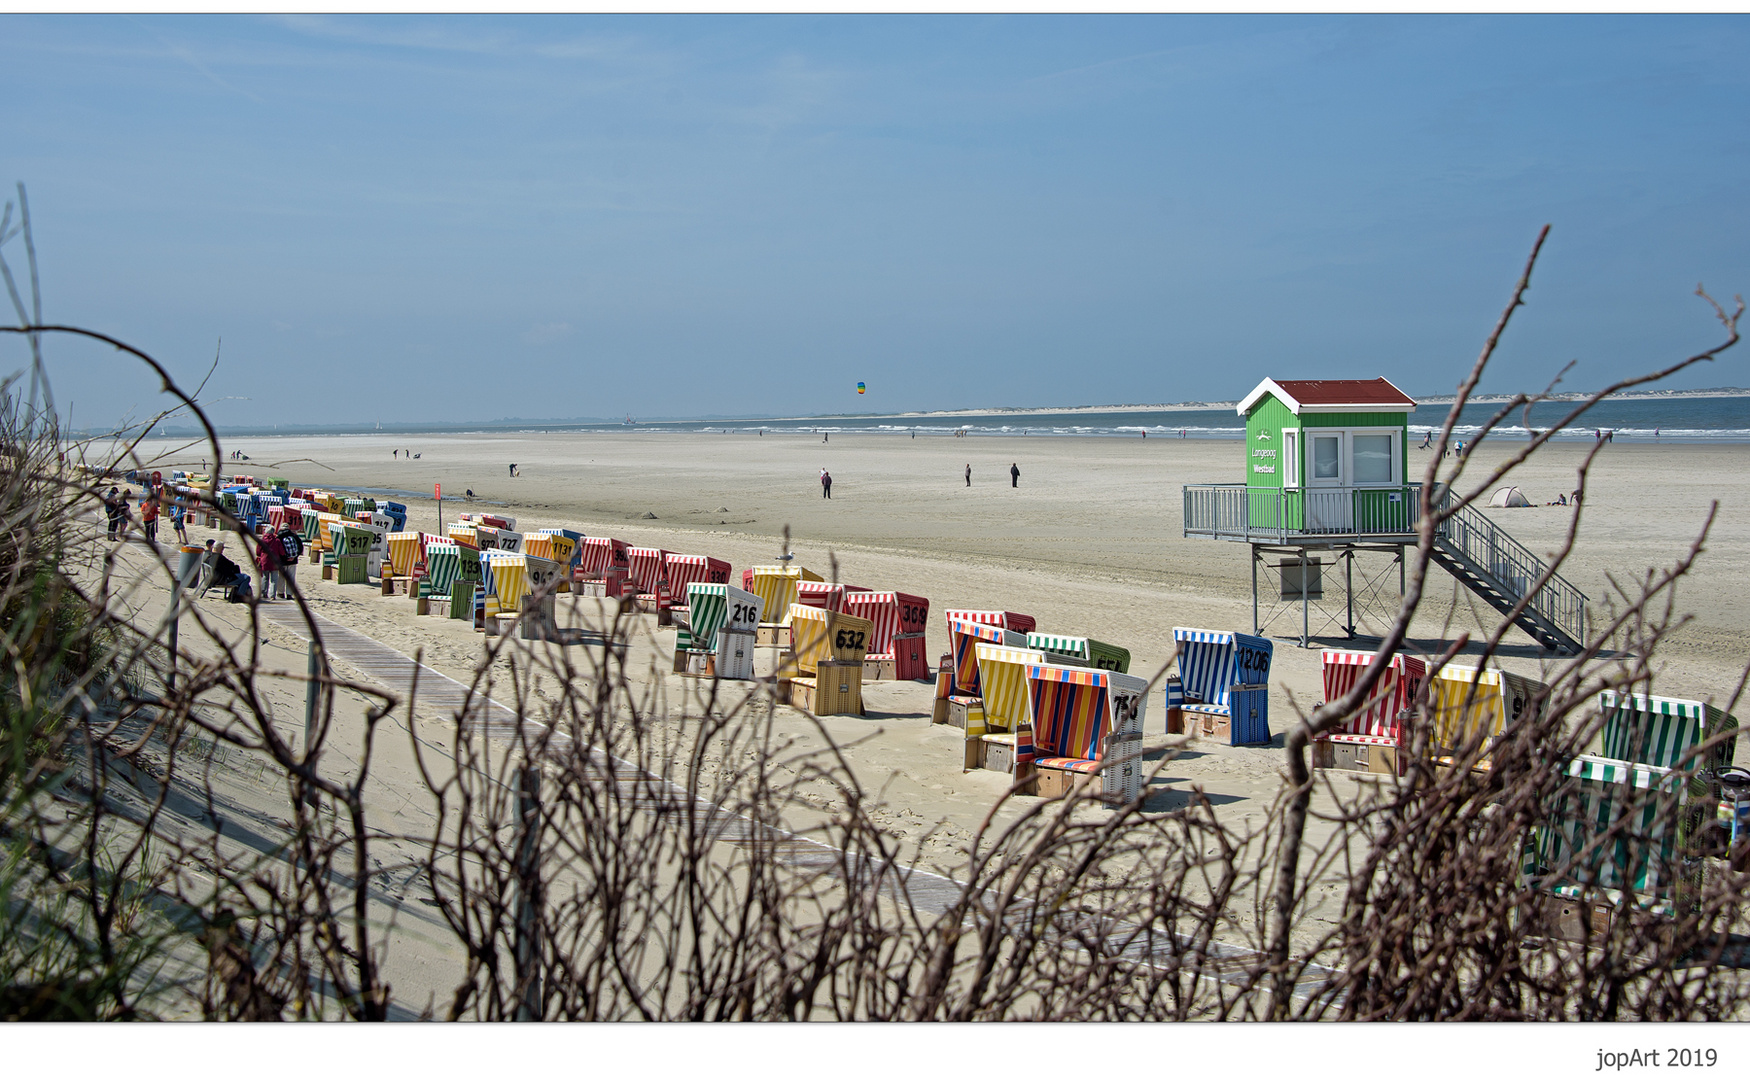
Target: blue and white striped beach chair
(1224, 674)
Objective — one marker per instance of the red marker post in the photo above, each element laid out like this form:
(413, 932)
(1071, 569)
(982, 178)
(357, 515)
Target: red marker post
(437, 491)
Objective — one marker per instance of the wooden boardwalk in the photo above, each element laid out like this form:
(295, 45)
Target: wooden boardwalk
(926, 893)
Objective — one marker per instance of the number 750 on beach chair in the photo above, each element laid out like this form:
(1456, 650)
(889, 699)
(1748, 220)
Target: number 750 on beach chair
(1224, 680)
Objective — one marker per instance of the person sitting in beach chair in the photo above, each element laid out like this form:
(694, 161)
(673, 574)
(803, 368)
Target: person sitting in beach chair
(223, 571)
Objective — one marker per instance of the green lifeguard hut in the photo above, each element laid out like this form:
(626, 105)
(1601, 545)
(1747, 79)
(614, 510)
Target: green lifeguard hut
(1326, 456)
(1327, 478)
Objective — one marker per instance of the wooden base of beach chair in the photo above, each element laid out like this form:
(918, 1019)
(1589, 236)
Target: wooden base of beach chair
(327, 571)
(997, 753)
(878, 669)
(963, 712)
(835, 690)
(1589, 921)
(695, 662)
(1356, 757)
(773, 635)
(1176, 722)
(1050, 782)
(422, 605)
(1218, 727)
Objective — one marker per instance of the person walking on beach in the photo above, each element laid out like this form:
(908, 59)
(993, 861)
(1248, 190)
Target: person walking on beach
(825, 484)
(513, 468)
(291, 550)
(1014, 475)
(178, 519)
(269, 557)
(110, 514)
(968, 473)
(149, 515)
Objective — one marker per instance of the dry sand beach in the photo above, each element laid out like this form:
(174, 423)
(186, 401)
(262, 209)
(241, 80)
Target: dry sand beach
(1088, 543)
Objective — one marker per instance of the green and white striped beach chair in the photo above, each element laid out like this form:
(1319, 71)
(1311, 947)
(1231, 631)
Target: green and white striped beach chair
(1617, 831)
(442, 561)
(1086, 652)
(1665, 731)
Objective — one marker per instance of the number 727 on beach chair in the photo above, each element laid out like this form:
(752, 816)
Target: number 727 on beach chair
(1223, 684)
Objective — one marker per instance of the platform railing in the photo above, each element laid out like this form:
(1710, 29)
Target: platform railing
(1263, 515)
(1279, 515)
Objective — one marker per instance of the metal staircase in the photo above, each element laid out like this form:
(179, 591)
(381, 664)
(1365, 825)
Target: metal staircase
(1500, 569)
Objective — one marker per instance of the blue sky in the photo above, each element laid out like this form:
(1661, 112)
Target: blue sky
(457, 218)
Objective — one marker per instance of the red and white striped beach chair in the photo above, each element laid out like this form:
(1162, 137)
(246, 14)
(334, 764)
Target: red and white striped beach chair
(1382, 723)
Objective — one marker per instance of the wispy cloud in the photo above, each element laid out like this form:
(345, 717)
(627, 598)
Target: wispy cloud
(187, 56)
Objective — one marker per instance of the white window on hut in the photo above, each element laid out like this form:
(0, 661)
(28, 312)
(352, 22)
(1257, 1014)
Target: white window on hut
(1372, 459)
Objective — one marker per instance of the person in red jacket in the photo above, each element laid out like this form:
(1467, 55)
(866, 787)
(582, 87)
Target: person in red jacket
(269, 557)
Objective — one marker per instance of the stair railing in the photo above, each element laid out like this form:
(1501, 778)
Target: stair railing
(1513, 567)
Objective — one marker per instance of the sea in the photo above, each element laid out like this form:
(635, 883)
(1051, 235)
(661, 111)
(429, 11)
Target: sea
(1691, 419)
(1687, 419)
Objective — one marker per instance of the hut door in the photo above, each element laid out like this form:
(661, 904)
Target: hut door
(1327, 497)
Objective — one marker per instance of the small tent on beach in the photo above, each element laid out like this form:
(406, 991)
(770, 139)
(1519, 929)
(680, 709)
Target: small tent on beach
(1509, 496)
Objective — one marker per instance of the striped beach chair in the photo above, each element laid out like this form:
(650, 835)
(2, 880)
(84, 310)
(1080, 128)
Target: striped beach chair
(646, 571)
(681, 571)
(1086, 720)
(538, 544)
(775, 586)
(1383, 722)
(1664, 731)
(598, 554)
(464, 536)
(507, 574)
(560, 545)
(310, 527)
(493, 538)
(1085, 652)
(406, 550)
(469, 580)
(900, 620)
(443, 560)
(1008, 620)
(1616, 831)
(712, 608)
(352, 547)
(1002, 683)
(825, 595)
(1224, 677)
(963, 638)
(818, 635)
(326, 536)
(1472, 708)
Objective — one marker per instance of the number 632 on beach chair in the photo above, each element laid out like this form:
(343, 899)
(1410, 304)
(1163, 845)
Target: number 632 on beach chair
(1223, 686)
